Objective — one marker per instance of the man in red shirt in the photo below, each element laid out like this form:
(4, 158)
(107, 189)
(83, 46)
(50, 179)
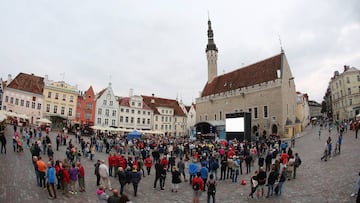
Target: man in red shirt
(81, 178)
(116, 165)
(110, 160)
(198, 186)
(164, 162)
(284, 158)
(148, 164)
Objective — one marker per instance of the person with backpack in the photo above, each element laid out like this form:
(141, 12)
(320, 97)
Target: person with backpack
(197, 185)
(175, 179)
(211, 184)
(297, 164)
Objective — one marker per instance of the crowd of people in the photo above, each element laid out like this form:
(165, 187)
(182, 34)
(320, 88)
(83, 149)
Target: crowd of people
(269, 161)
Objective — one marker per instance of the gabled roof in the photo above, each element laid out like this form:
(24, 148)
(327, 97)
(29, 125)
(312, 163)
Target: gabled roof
(28, 83)
(125, 101)
(155, 102)
(187, 108)
(100, 93)
(90, 91)
(262, 71)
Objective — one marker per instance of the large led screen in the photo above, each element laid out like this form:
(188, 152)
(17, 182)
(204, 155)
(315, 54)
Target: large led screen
(235, 124)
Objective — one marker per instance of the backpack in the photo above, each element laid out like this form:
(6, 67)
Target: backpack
(196, 186)
(297, 162)
(211, 188)
(61, 174)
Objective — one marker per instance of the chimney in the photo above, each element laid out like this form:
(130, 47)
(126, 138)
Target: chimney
(9, 79)
(131, 92)
(346, 68)
(152, 99)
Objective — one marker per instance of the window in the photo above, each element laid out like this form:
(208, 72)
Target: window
(71, 99)
(55, 109)
(220, 116)
(162, 118)
(70, 111)
(77, 115)
(132, 103)
(144, 112)
(99, 111)
(113, 122)
(132, 120)
(156, 117)
(111, 103)
(266, 114)
(104, 102)
(215, 116)
(88, 116)
(64, 97)
(139, 112)
(166, 119)
(99, 121)
(143, 121)
(79, 104)
(88, 105)
(27, 104)
(11, 100)
(162, 127)
(148, 121)
(7, 99)
(139, 104)
(148, 113)
(121, 110)
(349, 91)
(126, 119)
(121, 119)
(107, 112)
(127, 110)
(156, 126)
(33, 105)
(114, 113)
(347, 80)
(49, 94)
(62, 110)
(16, 101)
(138, 120)
(206, 117)
(341, 93)
(56, 95)
(106, 121)
(39, 106)
(255, 112)
(350, 102)
(132, 111)
(48, 108)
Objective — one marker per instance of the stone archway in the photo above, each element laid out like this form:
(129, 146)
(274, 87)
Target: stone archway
(274, 129)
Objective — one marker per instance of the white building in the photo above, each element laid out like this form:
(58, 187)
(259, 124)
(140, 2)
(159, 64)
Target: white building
(107, 108)
(24, 95)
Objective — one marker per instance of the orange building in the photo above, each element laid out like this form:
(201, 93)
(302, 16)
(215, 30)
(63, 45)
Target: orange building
(85, 108)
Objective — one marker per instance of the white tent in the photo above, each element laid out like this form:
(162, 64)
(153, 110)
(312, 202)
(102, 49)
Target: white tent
(43, 120)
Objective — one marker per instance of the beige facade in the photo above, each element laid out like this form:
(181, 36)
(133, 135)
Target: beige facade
(60, 100)
(272, 103)
(302, 110)
(345, 91)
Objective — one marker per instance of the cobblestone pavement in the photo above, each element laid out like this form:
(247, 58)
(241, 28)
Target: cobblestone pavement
(317, 181)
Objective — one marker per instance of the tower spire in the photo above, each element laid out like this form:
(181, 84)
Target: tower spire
(211, 54)
(211, 44)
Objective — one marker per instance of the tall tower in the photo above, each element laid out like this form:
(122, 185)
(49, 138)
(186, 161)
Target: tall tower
(211, 54)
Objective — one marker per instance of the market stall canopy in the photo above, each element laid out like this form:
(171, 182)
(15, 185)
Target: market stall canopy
(2, 117)
(96, 127)
(134, 135)
(43, 120)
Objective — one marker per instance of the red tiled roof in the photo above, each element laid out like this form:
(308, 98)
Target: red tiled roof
(262, 71)
(101, 93)
(162, 102)
(125, 101)
(28, 83)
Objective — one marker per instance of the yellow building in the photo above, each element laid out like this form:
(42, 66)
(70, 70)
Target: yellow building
(60, 101)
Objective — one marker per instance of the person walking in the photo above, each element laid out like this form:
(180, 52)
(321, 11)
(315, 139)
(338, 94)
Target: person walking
(3, 142)
(223, 168)
(97, 174)
(356, 187)
(73, 179)
(158, 171)
(297, 163)
(81, 178)
(253, 184)
(122, 179)
(197, 185)
(50, 174)
(211, 185)
(282, 179)
(104, 174)
(148, 164)
(42, 171)
(135, 179)
(175, 180)
(181, 168)
(271, 182)
(204, 171)
(261, 177)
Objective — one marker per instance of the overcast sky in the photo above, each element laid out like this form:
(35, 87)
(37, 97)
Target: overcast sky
(159, 46)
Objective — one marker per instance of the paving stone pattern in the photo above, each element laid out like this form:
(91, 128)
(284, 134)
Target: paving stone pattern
(317, 181)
